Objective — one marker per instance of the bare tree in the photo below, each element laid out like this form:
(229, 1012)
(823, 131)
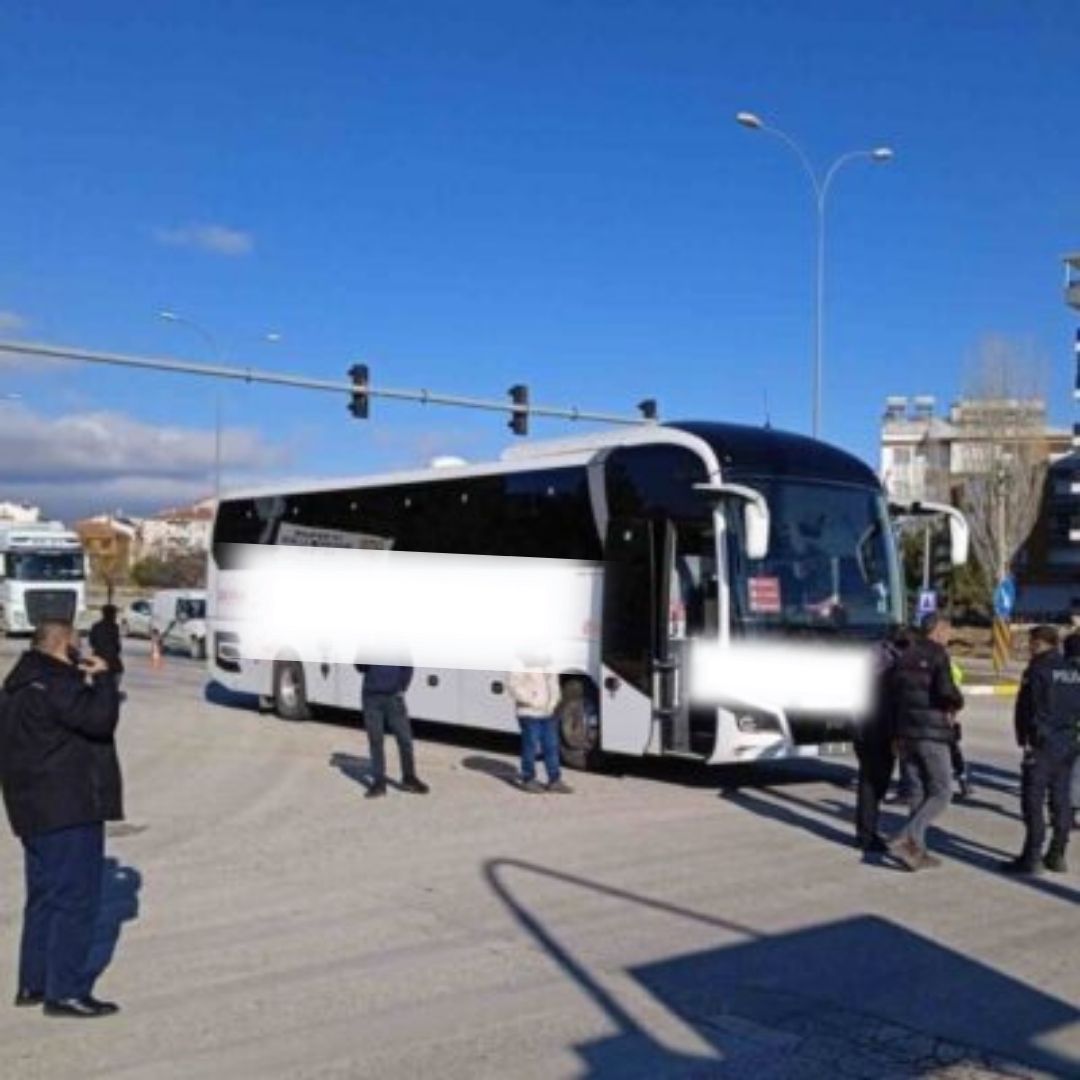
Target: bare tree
(1003, 450)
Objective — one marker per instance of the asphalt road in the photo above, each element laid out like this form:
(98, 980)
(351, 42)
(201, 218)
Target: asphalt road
(264, 920)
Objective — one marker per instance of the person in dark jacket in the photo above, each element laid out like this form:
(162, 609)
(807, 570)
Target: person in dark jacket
(1047, 716)
(105, 641)
(61, 782)
(1072, 654)
(874, 750)
(382, 698)
(925, 702)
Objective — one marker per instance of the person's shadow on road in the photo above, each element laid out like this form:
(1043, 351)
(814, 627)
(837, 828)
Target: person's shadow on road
(120, 887)
(357, 769)
(496, 768)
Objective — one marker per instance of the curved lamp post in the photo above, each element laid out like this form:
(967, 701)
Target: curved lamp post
(821, 184)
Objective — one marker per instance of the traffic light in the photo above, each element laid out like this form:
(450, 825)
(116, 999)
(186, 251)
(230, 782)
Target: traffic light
(359, 401)
(647, 408)
(519, 416)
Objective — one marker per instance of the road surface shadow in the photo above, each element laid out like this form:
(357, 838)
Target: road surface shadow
(804, 814)
(120, 887)
(858, 997)
(497, 768)
(215, 693)
(357, 769)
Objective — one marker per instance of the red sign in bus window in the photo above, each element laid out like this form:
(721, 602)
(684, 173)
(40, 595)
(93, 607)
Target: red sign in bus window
(765, 595)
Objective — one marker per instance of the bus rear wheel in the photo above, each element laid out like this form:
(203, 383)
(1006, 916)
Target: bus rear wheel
(290, 691)
(579, 727)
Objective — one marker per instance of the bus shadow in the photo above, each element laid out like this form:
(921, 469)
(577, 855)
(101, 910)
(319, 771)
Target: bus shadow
(215, 693)
(862, 991)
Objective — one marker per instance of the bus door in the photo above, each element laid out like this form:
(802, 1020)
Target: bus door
(638, 672)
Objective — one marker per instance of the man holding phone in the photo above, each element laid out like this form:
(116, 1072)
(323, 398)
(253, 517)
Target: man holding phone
(61, 782)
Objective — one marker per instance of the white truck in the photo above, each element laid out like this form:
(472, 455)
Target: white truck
(42, 575)
(178, 619)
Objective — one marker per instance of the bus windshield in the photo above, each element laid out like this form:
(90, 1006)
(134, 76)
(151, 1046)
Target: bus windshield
(831, 561)
(44, 566)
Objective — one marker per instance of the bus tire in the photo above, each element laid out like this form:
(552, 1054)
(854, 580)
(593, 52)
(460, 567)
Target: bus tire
(579, 729)
(290, 691)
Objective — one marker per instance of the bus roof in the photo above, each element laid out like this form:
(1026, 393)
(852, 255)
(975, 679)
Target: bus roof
(740, 449)
(753, 451)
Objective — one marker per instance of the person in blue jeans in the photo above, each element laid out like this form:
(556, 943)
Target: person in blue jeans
(535, 692)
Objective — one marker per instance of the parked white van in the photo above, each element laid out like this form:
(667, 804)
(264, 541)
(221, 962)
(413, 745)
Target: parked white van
(178, 617)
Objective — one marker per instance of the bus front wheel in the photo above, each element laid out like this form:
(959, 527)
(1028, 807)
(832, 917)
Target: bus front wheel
(579, 728)
(290, 692)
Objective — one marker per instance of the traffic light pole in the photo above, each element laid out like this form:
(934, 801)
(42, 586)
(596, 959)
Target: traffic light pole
(349, 389)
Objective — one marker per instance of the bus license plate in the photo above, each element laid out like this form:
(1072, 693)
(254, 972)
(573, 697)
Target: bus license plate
(834, 749)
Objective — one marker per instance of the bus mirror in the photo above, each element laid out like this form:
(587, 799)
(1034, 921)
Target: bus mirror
(755, 514)
(959, 539)
(756, 527)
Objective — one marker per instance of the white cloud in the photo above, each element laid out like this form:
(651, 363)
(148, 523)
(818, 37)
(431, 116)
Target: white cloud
(11, 322)
(89, 461)
(217, 239)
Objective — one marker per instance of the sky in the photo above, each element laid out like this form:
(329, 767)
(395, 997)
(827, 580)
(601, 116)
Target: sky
(467, 194)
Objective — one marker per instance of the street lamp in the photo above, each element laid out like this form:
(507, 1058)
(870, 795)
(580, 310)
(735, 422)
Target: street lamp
(181, 320)
(821, 185)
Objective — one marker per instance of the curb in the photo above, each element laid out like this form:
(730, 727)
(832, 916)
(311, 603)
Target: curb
(1009, 690)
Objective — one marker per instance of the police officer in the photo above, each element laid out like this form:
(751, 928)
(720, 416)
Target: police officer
(1047, 710)
(1072, 653)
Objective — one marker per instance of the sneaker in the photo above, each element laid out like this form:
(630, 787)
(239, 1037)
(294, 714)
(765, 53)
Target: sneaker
(1055, 862)
(25, 998)
(376, 791)
(1020, 865)
(905, 850)
(414, 785)
(532, 787)
(560, 787)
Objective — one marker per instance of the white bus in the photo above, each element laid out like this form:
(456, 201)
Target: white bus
(693, 532)
(42, 575)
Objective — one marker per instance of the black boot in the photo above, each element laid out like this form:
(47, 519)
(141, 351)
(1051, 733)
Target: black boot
(1022, 864)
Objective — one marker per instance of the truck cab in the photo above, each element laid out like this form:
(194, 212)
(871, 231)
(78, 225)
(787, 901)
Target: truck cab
(42, 576)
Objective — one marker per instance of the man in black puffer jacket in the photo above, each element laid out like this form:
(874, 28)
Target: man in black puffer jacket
(925, 699)
(61, 782)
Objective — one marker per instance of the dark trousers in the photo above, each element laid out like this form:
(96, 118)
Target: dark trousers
(63, 896)
(539, 733)
(382, 711)
(927, 768)
(1045, 776)
(956, 754)
(876, 760)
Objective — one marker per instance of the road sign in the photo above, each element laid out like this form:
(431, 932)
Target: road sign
(1005, 598)
(927, 602)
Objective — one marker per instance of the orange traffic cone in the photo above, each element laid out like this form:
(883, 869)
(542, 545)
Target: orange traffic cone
(155, 650)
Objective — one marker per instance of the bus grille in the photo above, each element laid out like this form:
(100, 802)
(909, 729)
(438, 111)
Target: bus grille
(50, 604)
